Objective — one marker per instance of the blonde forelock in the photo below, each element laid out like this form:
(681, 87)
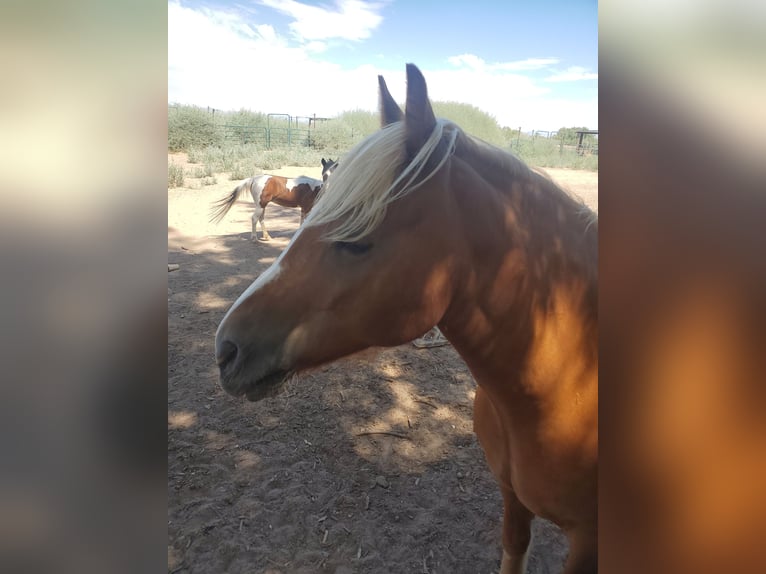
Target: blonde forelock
(357, 194)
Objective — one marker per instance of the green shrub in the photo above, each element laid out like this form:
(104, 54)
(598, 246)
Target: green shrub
(544, 152)
(241, 170)
(360, 123)
(471, 119)
(175, 175)
(333, 137)
(569, 135)
(190, 127)
(194, 155)
(203, 171)
(229, 142)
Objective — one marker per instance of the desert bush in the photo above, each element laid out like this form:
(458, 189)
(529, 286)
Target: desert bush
(190, 127)
(203, 171)
(543, 152)
(241, 170)
(175, 175)
(471, 119)
(201, 134)
(361, 123)
(194, 155)
(333, 137)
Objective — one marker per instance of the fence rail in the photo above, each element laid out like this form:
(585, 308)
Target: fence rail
(268, 137)
(584, 142)
(281, 130)
(284, 130)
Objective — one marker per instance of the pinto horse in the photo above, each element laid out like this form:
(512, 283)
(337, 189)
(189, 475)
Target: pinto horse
(328, 166)
(425, 225)
(287, 192)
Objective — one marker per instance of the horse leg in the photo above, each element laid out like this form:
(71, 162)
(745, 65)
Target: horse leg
(259, 218)
(303, 216)
(253, 234)
(266, 236)
(517, 519)
(583, 553)
(517, 533)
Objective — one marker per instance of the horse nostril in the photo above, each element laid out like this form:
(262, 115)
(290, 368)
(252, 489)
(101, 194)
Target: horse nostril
(225, 354)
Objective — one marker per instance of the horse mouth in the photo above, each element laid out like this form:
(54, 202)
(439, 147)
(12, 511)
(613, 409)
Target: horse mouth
(269, 386)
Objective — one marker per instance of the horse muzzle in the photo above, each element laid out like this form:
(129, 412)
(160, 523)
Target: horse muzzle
(237, 380)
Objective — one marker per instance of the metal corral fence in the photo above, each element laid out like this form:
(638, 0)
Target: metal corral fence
(589, 145)
(281, 130)
(586, 140)
(284, 130)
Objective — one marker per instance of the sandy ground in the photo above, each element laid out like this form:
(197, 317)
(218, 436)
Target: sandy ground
(291, 484)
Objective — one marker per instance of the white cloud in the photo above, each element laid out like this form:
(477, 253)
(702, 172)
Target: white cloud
(528, 64)
(468, 61)
(216, 59)
(572, 74)
(266, 32)
(316, 46)
(514, 100)
(476, 63)
(350, 20)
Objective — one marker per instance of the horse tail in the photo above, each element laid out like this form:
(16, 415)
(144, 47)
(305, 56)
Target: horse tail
(222, 206)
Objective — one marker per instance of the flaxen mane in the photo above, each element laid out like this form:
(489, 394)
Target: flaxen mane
(362, 187)
(360, 190)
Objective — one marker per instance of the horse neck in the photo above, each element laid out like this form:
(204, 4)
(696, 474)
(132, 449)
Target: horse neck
(529, 269)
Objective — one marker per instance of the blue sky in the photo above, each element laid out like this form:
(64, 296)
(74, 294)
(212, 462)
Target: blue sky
(531, 64)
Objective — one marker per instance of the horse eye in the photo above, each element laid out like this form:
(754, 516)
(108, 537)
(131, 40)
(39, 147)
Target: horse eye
(353, 248)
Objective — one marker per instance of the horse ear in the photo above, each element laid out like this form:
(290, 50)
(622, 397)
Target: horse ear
(324, 163)
(419, 116)
(390, 112)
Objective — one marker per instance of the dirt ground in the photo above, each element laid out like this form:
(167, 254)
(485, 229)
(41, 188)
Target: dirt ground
(296, 483)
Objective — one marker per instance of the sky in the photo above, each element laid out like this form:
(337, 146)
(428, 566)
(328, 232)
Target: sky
(530, 64)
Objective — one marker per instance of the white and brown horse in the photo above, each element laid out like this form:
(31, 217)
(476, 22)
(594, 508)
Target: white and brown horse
(421, 225)
(300, 192)
(328, 166)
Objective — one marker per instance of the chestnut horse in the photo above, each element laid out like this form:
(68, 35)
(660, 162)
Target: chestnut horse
(288, 192)
(422, 225)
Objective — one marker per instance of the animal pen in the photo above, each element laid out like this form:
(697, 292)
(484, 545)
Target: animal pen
(281, 130)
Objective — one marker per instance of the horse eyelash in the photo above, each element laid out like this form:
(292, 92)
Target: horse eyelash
(352, 247)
